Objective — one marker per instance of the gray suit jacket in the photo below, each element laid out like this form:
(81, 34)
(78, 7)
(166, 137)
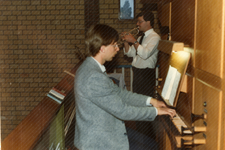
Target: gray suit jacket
(101, 107)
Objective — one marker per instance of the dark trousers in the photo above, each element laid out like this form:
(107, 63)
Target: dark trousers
(144, 81)
(139, 141)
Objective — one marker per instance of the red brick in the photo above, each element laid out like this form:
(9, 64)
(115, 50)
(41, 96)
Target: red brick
(35, 12)
(46, 12)
(17, 22)
(54, 12)
(50, 17)
(74, 12)
(41, 17)
(32, 27)
(70, 7)
(64, 12)
(24, 2)
(5, 3)
(50, 7)
(75, 2)
(60, 7)
(6, 13)
(44, 2)
(36, 2)
(31, 17)
(60, 17)
(2, 7)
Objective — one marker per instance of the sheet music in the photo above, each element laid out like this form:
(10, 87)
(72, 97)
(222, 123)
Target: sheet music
(171, 84)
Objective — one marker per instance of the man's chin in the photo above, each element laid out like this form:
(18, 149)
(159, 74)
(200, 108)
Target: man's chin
(110, 59)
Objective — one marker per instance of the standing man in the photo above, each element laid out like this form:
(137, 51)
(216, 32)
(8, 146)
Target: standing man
(144, 52)
(101, 106)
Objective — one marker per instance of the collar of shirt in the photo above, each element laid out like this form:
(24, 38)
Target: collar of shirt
(102, 67)
(148, 32)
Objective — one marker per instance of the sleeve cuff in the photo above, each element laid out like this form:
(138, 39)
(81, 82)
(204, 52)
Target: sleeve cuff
(126, 53)
(156, 110)
(149, 104)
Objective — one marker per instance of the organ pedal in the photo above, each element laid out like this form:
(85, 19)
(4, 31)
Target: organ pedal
(185, 139)
(193, 129)
(195, 117)
(188, 141)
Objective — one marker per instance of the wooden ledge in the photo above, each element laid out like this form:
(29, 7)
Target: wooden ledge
(169, 46)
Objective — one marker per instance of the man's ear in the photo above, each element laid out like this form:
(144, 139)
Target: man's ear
(102, 49)
(149, 22)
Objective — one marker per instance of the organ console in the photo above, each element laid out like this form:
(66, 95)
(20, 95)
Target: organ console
(178, 132)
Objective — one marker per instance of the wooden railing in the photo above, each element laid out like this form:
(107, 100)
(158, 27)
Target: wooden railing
(26, 135)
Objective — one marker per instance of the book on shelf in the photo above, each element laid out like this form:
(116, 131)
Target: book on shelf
(54, 98)
(57, 93)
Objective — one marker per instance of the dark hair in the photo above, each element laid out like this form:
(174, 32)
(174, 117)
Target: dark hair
(147, 16)
(99, 35)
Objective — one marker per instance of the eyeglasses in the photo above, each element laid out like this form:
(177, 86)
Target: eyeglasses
(140, 22)
(115, 45)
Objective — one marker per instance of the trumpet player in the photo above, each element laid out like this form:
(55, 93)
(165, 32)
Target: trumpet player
(144, 52)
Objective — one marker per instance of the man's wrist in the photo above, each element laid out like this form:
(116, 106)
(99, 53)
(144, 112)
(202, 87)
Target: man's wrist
(152, 102)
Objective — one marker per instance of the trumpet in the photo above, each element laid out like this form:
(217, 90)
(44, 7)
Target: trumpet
(133, 32)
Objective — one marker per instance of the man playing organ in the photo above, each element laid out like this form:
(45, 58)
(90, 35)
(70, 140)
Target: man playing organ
(101, 106)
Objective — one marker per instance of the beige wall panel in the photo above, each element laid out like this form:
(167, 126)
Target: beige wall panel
(211, 96)
(182, 21)
(208, 36)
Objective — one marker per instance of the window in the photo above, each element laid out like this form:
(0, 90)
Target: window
(126, 9)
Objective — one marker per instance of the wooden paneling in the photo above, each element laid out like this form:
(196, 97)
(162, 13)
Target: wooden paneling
(208, 78)
(223, 95)
(182, 21)
(203, 31)
(208, 36)
(165, 15)
(209, 86)
(212, 96)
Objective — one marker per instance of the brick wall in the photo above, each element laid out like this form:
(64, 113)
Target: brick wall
(37, 40)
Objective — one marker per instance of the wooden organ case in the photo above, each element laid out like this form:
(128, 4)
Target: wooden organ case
(178, 132)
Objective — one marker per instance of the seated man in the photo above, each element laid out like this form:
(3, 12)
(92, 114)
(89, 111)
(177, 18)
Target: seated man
(101, 106)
